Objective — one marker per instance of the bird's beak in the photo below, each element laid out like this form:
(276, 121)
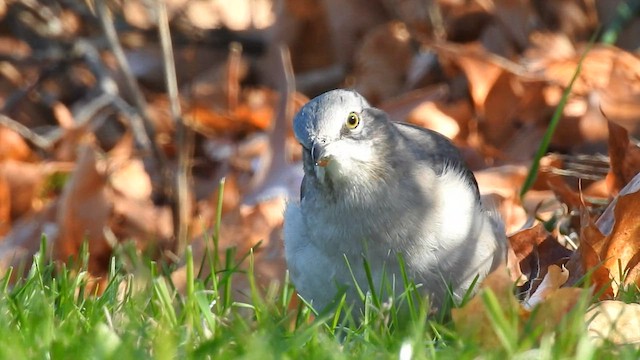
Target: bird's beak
(319, 154)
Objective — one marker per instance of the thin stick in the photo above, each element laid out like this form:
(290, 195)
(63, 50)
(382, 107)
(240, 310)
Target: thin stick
(233, 76)
(274, 160)
(133, 88)
(181, 208)
(107, 85)
(37, 140)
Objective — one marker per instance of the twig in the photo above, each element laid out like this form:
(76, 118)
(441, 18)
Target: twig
(109, 88)
(274, 160)
(233, 75)
(181, 208)
(25, 132)
(287, 89)
(133, 88)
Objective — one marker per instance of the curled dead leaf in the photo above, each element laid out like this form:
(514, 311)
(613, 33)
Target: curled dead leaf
(613, 259)
(625, 158)
(536, 251)
(556, 277)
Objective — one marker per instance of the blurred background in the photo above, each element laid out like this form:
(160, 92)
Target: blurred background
(94, 147)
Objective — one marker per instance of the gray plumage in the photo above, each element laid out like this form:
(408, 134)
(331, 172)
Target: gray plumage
(378, 189)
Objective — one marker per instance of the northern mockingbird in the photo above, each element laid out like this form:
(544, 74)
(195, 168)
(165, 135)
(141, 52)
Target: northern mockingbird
(374, 189)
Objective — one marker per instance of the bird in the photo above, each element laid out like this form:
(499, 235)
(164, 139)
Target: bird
(380, 197)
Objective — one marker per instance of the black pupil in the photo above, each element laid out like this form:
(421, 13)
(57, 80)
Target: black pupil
(352, 120)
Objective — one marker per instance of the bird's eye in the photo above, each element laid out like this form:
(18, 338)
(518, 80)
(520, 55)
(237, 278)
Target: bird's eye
(353, 120)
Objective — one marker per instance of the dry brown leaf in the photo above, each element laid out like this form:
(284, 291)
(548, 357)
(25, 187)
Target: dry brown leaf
(556, 277)
(472, 320)
(138, 219)
(5, 206)
(511, 211)
(608, 82)
(607, 219)
(513, 265)
(235, 15)
(555, 172)
(557, 304)
(598, 67)
(613, 258)
(536, 250)
(565, 193)
(549, 45)
(499, 186)
(349, 22)
(463, 22)
(576, 19)
(481, 73)
(504, 95)
(382, 62)
(13, 146)
(401, 106)
(132, 180)
(303, 27)
(254, 112)
(515, 19)
(622, 250)
(441, 117)
(23, 241)
(587, 258)
(25, 181)
(503, 180)
(614, 321)
(140, 14)
(84, 210)
(624, 157)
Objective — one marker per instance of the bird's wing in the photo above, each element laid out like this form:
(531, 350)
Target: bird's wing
(436, 149)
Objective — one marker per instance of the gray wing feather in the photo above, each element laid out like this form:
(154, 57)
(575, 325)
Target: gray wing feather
(437, 150)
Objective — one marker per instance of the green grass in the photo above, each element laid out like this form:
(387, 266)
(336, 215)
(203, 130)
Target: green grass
(50, 314)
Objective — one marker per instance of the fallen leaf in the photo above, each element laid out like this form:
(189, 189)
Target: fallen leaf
(607, 219)
(623, 244)
(433, 116)
(550, 313)
(536, 251)
(23, 241)
(131, 180)
(349, 22)
(382, 61)
(613, 257)
(555, 277)
(614, 321)
(25, 181)
(83, 212)
(13, 146)
(609, 80)
(625, 158)
(587, 259)
(473, 321)
(5, 206)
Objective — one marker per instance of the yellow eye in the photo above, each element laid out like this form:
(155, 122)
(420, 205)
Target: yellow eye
(353, 120)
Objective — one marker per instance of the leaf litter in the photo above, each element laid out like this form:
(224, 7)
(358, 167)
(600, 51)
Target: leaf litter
(74, 165)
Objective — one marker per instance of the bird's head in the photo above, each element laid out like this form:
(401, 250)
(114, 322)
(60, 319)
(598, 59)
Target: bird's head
(343, 137)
